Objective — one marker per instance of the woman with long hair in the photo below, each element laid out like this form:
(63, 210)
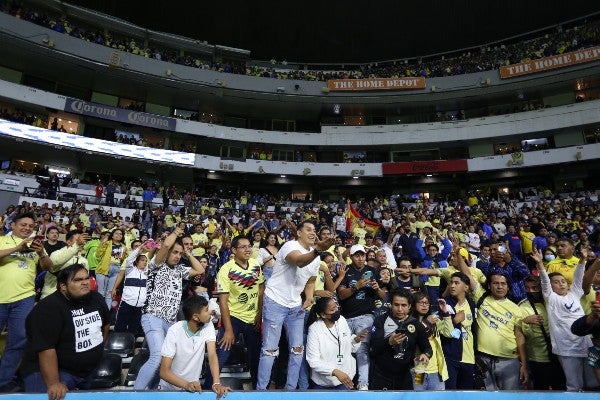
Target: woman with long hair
(256, 241)
(267, 254)
(433, 375)
(329, 347)
(111, 252)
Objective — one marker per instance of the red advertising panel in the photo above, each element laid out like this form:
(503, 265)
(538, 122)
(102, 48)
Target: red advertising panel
(424, 167)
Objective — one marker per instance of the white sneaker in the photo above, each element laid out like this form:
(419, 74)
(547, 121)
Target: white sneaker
(363, 387)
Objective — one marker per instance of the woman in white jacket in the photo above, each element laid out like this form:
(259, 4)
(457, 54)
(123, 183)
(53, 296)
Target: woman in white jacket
(329, 347)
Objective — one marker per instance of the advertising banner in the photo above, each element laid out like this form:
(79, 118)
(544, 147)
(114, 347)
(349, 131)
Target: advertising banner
(119, 114)
(376, 84)
(424, 167)
(550, 63)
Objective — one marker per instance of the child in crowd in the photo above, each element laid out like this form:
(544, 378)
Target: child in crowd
(135, 273)
(564, 308)
(184, 347)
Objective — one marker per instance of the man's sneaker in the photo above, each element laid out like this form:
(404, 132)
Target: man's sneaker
(11, 387)
(363, 386)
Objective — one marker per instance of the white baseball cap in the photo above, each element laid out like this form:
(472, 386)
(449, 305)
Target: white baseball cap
(357, 248)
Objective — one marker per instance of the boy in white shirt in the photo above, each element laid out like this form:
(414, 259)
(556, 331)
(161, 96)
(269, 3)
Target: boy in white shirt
(564, 308)
(183, 350)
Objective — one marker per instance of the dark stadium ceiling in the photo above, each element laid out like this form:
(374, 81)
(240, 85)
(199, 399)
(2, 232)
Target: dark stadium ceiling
(330, 31)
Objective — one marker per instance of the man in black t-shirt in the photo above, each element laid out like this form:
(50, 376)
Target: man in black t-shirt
(65, 336)
(357, 293)
(52, 243)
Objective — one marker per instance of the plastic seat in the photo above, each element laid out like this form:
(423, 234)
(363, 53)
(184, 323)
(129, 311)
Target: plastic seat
(120, 343)
(234, 382)
(238, 357)
(107, 374)
(136, 363)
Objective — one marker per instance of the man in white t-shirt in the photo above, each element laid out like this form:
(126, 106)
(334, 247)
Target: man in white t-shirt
(294, 272)
(339, 223)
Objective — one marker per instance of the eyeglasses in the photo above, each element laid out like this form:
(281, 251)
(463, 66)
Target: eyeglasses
(423, 303)
(246, 247)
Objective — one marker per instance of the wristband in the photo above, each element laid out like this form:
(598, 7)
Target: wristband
(216, 383)
(317, 252)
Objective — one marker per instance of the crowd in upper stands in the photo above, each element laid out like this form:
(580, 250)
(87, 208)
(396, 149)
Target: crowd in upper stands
(484, 58)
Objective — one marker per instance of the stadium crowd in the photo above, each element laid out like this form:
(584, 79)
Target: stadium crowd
(484, 58)
(484, 292)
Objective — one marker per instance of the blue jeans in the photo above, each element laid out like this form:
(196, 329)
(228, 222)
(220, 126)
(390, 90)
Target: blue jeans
(431, 381)
(13, 315)
(147, 225)
(129, 319)
(155, 330)
(106, 283)
(267, 272)
(434, 293)
(579, 375)
(304, 377)
(275, 316)
(461, 375)
(314, 386)
(356, 325)
(34, 382)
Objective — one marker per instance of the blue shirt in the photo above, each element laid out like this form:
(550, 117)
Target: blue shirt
(514, 243)
(515, 271)
(540, 243)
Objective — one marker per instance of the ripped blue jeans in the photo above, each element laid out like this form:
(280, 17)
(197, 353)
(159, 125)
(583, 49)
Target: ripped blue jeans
(276, 316)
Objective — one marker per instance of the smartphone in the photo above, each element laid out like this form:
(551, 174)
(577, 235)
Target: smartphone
(401, 329)
(368, 275)
(502, 249)
(40, 238)
(598, 296)
(363, 332)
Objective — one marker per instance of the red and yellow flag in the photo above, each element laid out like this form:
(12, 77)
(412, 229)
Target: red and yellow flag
(352, 217)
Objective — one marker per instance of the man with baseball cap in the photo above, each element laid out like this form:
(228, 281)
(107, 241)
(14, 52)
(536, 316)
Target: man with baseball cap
(357, 294)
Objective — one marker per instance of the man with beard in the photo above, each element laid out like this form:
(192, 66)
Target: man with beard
(546, 371)
(294, 272)
(65, 336)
